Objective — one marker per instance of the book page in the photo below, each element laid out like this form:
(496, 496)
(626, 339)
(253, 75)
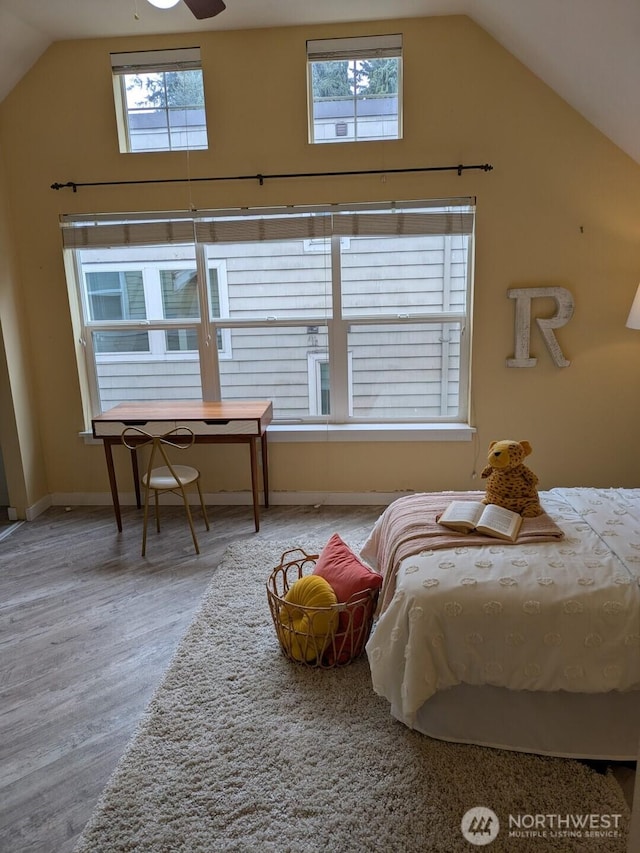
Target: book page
(467, 512)
(499, 519)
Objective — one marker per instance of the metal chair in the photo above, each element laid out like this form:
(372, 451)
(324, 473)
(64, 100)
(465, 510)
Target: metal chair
(168, 477)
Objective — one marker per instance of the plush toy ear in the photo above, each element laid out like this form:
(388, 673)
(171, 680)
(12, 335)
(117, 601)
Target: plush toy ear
(526, 447)
(492, 444)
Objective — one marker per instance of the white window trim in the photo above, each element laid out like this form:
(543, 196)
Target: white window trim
(288, 433)
(153, 302)
(314, 362)
(225, 351)
(360, 47)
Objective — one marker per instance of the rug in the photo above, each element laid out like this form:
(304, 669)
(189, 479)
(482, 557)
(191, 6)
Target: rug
(242, 750)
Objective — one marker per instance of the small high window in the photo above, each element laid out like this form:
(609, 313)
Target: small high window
(159, 97)
(355, 87)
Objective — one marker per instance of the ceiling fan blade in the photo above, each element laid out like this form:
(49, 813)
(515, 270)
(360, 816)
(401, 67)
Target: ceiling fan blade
(205, 8)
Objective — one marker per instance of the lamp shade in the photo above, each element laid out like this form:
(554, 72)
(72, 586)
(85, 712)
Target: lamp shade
(633, 320)
(164, 4)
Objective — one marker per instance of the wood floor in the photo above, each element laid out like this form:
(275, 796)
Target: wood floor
(87, 629)
(6, 525)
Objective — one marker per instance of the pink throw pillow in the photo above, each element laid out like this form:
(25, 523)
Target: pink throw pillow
(345, 572)
(349, 577)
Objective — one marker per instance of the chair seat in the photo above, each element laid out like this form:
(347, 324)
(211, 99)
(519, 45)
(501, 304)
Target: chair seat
(163, 479)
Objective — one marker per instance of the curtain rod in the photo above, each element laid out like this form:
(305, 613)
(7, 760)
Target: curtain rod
(485, 167)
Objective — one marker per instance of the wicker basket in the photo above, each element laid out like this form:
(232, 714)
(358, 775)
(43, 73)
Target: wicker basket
(355, 618)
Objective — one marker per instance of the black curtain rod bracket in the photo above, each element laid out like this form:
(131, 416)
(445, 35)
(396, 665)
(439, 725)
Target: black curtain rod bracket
(460, 168)
(63, 186)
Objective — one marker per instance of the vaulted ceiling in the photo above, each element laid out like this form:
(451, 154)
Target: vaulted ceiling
(588, 51)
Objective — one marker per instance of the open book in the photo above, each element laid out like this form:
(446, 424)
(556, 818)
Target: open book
(492, 520)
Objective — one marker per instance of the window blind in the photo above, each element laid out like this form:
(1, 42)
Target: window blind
(175, 59)
(365, 47)
(389, 224)
(245, 227)
(264, 228)
(127, 234)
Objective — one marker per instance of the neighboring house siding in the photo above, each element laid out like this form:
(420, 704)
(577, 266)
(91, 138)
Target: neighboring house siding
(336, 120)
(179, 381)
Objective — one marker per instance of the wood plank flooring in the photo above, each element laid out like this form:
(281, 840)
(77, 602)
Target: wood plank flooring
(87, 629)
(6, 525)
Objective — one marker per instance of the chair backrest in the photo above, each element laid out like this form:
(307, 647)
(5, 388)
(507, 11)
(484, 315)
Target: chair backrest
(179, 437)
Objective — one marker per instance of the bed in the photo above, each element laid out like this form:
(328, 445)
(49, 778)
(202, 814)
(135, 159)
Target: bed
(533, 646)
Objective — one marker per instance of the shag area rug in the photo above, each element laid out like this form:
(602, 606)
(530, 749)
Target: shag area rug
(243, 750)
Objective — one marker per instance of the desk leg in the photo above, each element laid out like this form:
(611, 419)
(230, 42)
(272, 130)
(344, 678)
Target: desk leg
(112, 482)
(265, 468)
(136, 476)
(254, 483)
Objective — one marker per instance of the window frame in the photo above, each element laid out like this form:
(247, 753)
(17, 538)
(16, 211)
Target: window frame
(157, 325)
(315, 362)
(154, 62)
(353, 50)
(92, 231)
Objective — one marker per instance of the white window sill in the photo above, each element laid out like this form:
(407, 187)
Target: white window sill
(287, 433)
(370, 432)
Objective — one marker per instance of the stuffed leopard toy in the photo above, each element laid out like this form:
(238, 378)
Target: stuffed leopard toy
(511, 484)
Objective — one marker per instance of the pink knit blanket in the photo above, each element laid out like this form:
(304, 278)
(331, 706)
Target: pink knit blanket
(408, 526)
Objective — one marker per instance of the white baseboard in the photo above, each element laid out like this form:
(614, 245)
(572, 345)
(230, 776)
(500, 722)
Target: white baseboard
(38, 508)
(236, 498)
(69, 499)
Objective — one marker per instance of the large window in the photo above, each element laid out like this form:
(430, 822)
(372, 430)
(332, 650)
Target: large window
(343, 315)
(355, 89)
(159, 98)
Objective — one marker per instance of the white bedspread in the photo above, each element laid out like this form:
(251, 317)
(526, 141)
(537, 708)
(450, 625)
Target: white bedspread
(550, 616)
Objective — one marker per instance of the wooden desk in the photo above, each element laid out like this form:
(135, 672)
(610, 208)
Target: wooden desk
(232, 422)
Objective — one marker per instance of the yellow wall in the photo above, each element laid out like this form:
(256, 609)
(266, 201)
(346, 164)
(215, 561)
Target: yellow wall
(561, 207)
(19, 422)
